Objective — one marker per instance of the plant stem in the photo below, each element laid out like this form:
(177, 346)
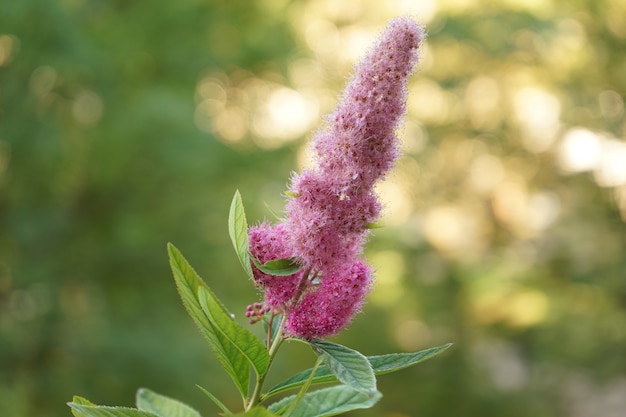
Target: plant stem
(256, 394)
(270, 330)
(304, 388)
(255, 398)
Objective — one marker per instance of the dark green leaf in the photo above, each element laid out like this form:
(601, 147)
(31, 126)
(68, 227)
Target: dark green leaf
(163, 406)
(188, 284)
(327, 402)
(238, 231)
(278, 267)
(349, 366)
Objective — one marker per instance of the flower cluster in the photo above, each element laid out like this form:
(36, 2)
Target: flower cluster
(333, 204)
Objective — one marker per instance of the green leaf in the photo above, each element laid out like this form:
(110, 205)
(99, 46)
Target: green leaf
(188, 284)
(80, 401)
(105, 411)
(382, 364)
(217, 402)
(327, 402)
(322, 375)
(238, 231)
(349, 366)
(246, 342)
(162, 406)
(278, 267)
(273, 212)
(256, 412)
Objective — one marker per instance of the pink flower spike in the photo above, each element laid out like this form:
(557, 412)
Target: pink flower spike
(327, 220)
(332, 204)
(359, 145)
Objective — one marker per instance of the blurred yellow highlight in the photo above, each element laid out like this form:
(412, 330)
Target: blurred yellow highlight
(5, 157)
(584, 150)
(411, 334)
(430, 103)
(523, 308)
(455, 230)
(8, 48)
(261, 109)
(483, 102)
(537, 112)
(397, 207)
(286, 115)
(87, 108)
(389, 268)
(538, 7)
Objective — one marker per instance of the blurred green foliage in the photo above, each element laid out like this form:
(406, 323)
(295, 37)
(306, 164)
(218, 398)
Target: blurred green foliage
(125, 125)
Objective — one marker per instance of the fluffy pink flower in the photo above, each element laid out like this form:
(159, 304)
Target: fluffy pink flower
(333, 203)
(327, 220)
(326, 310)
(328, 230)
(360, 146)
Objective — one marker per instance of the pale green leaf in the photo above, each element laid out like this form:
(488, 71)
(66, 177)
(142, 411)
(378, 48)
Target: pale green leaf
(80, 401)
(162, 406)
(273, 212)
(278, 267)
(349, 366)
(322, 375)
(247, 343)
(217, 402)
(256, 412)
(105, 411)
(238, 231)
(381, 364)
(188, 284)
(327, 402)
(77, 413)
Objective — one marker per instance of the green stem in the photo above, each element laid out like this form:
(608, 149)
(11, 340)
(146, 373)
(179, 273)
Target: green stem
(304, 388)
(260, 380)
(270, 329)
(256, 396)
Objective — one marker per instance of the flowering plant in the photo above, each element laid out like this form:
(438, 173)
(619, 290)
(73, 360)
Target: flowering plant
(308, 266)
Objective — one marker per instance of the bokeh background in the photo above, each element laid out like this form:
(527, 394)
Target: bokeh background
(127, 124)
